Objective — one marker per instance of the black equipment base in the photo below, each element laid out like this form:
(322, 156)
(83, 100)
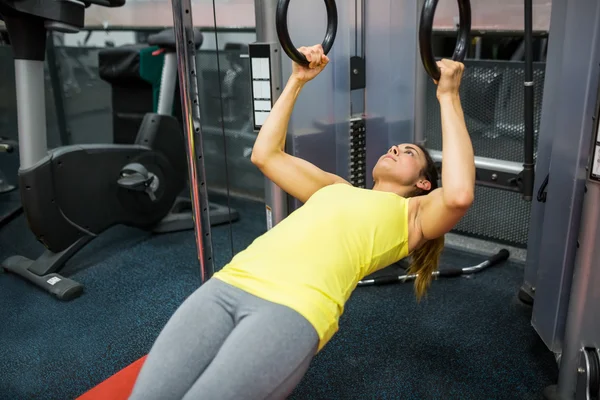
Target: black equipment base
(41, 271)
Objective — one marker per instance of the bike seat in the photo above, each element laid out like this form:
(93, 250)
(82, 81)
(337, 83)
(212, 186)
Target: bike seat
(166, 39)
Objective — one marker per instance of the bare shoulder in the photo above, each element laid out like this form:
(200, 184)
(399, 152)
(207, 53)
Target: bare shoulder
(435, 215)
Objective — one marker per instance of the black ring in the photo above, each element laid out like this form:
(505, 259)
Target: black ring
(284, 35)
(426, 29)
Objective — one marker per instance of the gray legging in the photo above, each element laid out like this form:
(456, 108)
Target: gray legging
(224, 343)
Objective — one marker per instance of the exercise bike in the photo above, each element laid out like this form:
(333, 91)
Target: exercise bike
(162, 44)
(72, 194)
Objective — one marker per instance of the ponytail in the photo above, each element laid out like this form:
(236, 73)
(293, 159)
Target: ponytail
(425, 259)
(424, 263)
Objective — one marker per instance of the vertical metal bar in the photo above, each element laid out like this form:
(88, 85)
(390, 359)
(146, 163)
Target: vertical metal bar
(168, 83)
(31, 112)
(356, 28)
(478, 46)
(528, 164)
(420, 89)
(264, 11)
(276, 200)
(57, 92)
(357, 96)
(363, 27)
(190, 107)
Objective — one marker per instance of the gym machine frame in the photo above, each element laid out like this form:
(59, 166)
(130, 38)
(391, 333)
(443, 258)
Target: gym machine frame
(190, 106)
(311, 136)
(499, 174)
(561, 272)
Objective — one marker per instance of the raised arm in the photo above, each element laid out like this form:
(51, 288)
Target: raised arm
(441, 210)
(295, 176)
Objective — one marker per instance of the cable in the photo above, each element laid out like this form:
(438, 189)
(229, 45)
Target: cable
(76, 226)
(223, 128)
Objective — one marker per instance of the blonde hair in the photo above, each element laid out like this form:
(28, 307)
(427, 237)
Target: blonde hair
(425, 259)
(424, 262)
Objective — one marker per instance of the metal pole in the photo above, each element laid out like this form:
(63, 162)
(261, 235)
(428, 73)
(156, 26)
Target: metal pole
(264, 12)
(529, 163)
(276, 200)
(420, 89)
(190, 107)
(168, 83)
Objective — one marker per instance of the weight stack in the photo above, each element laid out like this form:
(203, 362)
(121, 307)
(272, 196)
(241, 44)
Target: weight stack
(358, 153)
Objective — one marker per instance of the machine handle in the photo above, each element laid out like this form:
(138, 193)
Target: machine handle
(450, 272)
(284, 35)
(497, 258)
(426, 29)
(381, 280)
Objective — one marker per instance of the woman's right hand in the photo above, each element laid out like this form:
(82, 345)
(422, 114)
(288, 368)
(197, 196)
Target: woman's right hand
(317, 59)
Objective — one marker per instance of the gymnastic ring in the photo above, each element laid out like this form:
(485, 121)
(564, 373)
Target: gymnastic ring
(425, 34)
(284, 35)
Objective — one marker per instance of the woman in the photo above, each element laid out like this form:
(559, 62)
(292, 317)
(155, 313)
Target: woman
(252, 330)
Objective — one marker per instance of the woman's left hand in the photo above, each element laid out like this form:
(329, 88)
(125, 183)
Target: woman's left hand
(450, 77)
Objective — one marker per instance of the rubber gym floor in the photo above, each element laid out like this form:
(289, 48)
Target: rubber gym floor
(470, 339)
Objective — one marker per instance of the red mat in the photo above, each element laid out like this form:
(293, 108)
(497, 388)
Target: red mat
(118, 386)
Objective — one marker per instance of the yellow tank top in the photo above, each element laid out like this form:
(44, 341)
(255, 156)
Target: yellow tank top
(313, 259)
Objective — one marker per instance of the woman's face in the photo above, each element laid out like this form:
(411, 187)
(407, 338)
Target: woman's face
(403, 164)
